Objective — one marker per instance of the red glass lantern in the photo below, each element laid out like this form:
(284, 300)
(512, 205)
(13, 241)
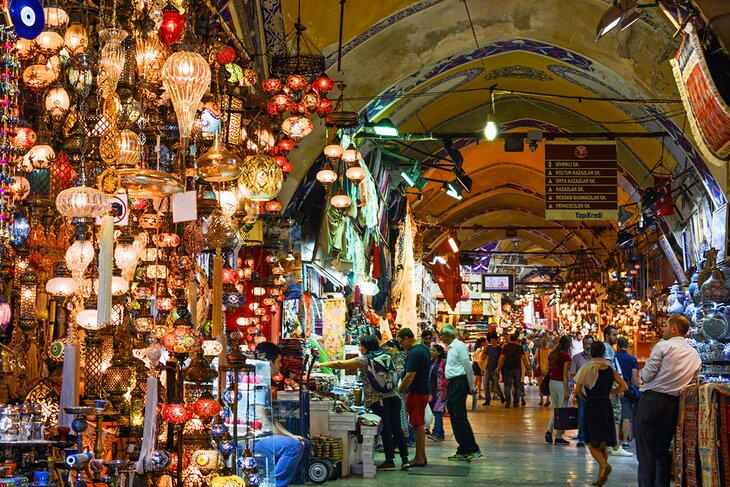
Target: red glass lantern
(271, 86)
(227, 55)
(24, 138)
(286, 168)
(230, 276)
(271, 108)
(280, 160)
(281, 102)
(172, 25)
(273, 206)
(325, 107)
(249, 263)
(310, 101)
(246, 274)
(175, 413)
(206, 407)
(285, 145)
(250, 77)
(323, 85)
(296, 82)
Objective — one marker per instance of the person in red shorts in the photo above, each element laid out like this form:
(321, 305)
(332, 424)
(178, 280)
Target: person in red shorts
(417, 387)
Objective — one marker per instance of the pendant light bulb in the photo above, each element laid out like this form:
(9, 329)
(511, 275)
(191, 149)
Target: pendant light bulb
(490, 130)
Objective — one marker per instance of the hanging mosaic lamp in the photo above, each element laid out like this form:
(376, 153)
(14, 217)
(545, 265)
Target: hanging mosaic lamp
(172, 25)
(261, 178)
(111, 60)
(218, 164)
(186, 78)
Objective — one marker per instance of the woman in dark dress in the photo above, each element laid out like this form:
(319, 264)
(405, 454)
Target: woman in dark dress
(594, 383)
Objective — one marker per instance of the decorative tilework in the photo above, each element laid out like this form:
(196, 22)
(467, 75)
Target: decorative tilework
(273, 22)
(519, 72)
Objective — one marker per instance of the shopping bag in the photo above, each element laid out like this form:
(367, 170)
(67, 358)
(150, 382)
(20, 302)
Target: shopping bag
(428, 415)
(566, 418)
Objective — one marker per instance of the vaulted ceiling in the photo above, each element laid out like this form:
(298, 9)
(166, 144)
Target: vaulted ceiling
(418, 64)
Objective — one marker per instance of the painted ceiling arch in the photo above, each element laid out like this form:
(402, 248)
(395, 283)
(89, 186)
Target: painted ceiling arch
(397, 49)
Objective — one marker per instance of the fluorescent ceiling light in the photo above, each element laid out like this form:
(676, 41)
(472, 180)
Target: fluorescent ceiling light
(610, 19)
(414, 178)
(453, 190)
(629, 19)
(383, 128)
(454, 246)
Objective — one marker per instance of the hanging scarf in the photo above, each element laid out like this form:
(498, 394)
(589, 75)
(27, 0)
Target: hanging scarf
(406, 286)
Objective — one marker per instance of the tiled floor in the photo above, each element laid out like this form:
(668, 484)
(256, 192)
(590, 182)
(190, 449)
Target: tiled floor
(515, 454)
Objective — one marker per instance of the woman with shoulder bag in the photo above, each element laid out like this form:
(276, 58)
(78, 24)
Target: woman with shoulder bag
(559, 386)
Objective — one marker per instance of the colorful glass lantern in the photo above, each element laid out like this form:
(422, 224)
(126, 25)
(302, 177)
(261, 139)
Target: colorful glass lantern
(325, 107)
(212, 348)
(273, 206)
(175, 413)
(76, 39)
(168, 240)
(78, 257)
(57, 102)
(232, 299)
(130, 150)
(281, 101)
(159, 460)
(271, 86)
(151, 55)
(218, 428)
(323, 85)
(24, 138)
(333, 152)
(296, 83)
(351, 156)
(310, 102)
(172, 25)
(40, 156)
(297, 127)
(150, 221)
(285, 145)
(356, 173)
(340, 201)
(226, 444)
(206, 407)
(182, 339)
(206, 460)
(82, 202)
(326, 175)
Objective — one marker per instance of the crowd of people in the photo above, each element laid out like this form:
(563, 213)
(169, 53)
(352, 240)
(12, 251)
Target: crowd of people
(411, 382)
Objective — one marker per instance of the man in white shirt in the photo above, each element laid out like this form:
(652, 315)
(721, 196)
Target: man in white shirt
(461, 383)
(673, 364)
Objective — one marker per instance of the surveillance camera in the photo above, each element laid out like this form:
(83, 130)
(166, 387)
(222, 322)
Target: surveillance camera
(533, 145)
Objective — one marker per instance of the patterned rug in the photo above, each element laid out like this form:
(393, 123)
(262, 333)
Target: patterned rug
(724, 414)
(686, 440)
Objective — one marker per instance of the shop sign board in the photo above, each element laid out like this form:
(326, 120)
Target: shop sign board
(581, 180)
(498, 283)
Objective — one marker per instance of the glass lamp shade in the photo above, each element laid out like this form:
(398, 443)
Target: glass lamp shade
(351, 156)
(119, 286)
(333, 152)
(175, 413)
(62, 286)
(323, 85)
(118, 379)
(340, 200)
(296, 83)
(182, 339)
(76, 39)
(226, 445)
(229, 202)
(259, 291)
(20, 188)
(25, 48)
(151, 55)
(206, 461)
(165, 304)
(111, 60)
(6, 313)
(206, 407)
(246, 274)
(186, 78)
(40, 156)
(212, 348)
(232, 299)
(285, 145)
(78, 257)
(297, 127)
(168, 240)
(172, 25)
(55, 17)
(126, 256)
(261, 178)
(281, 101)
(88, 320)
(82, 202)
(150, 221)
(271, 86)
(219, 164)
(24, 138)
(356, 173)
(28, 294)
(49, 42)
(158, 271)
(261, 140)
(310, 102)
(39, 76)
(273, 206)
(57, 102)
(326, 175)
(130, 149)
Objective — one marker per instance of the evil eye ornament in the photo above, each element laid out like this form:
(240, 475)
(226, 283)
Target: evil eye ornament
(28, 17)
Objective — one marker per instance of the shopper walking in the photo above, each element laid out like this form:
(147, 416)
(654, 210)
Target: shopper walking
(576, 362)
(511, 363)
(559, 386)
(594, 384)
(610, 338)
(491, 377)
(543, 366)
(379, 380)
(461, 384)
(630, 373)
(415, 385)
(672, 365)
(476, 365)
(439, 386)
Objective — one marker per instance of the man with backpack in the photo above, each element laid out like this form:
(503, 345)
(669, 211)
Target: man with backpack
(417, 388)
(379, 380)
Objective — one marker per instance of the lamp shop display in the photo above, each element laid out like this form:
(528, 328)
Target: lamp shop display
(138, 148)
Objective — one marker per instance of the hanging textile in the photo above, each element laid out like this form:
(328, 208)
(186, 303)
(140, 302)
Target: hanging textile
(447, 273)
(686, 454)
(724, 414)
(707, 437)
(333, 327)
(707, 112)
(405, 285)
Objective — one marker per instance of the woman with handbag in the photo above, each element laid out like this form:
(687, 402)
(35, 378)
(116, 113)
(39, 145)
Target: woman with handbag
(439, 387)
(559, 386)
(543, 364)
(594, 383)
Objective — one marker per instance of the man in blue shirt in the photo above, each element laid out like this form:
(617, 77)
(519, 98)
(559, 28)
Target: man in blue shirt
(491, 381)
(630, 372)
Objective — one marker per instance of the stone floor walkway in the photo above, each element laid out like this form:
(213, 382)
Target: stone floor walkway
(515, 454)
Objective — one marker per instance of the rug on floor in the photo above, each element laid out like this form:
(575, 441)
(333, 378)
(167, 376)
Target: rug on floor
(441, 470)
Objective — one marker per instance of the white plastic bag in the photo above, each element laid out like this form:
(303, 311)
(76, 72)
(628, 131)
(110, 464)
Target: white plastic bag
(428, 415)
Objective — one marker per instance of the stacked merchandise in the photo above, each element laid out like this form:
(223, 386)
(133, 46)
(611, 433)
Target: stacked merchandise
(293, 355)
(368, 450)
(328, 447)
